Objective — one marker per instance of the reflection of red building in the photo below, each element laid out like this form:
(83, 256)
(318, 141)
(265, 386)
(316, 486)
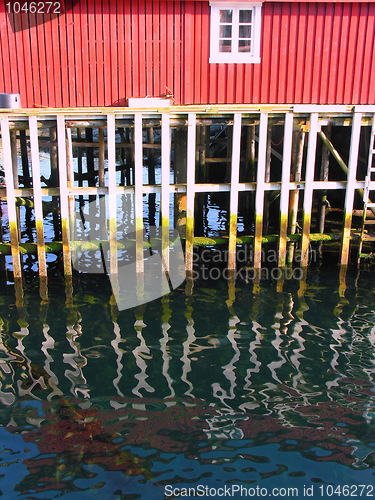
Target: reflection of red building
(75, 437)
(94, 53)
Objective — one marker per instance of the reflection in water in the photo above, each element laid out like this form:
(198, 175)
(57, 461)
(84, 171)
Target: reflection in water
(217, 384)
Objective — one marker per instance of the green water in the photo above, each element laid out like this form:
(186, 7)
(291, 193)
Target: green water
(218, 388)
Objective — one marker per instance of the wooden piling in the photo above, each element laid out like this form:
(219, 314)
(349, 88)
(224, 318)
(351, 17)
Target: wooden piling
(11, 198)
(138, 194)
(308, 191)
(350, 188)
(101, 157)
(64, 200)
(324, 169)
(234, 185)
(37, 192)
(70, 176)
(259, 194)
(151, 177)
(24, 158)
(285, 183)
(112, 205)
(53, 181)
(180, 167)
(294, 194)
(165, 180)
(90, 165)
(190, 191)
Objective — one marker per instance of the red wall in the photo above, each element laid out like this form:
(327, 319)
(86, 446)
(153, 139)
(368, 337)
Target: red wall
(101, 52)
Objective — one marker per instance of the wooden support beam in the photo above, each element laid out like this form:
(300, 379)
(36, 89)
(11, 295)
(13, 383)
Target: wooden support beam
(138, 190)
(285, 185)
(64, 201)
(350, 189)
(101, 156)
(234, 181)
(70, 176)
(165, 181)
(190, 191)
(38, 204)
(340, 162)
(308, 192)
(259, 194)
(11, 198)
(112, 197)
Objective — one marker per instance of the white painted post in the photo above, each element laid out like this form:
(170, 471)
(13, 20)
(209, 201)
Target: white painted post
(138, 190)
(64, 201)
(112, 197)
(165, 180)
(37, 195)
(350, 189)
(70, 176)
(259, 194)
(285, 187)
(11, 198)
(101, 156)
(308, 191)
(234, 182)
(190, 190)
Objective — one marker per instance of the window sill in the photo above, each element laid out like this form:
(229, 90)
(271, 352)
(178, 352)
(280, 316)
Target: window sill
(231, 59)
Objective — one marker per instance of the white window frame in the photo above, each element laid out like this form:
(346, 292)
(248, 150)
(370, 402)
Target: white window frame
(235, 56)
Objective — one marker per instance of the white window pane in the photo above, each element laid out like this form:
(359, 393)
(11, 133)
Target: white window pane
(225, 31)
(245, 16)
(244, 31)
(244, 46)
(226, 16)
(225, 45)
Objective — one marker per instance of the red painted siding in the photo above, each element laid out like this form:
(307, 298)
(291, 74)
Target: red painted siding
(101, 52)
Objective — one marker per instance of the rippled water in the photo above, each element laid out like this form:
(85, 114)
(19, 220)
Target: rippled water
(223, 387)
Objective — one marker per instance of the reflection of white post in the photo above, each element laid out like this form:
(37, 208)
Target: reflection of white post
(115, 343)
(77, 361)
(277, 341)
(53, 381)
(186, 363)
(167, 313)
(296, 334)
(140, 353)
(229, 369)
(256, 343)
(24, 332)
(6, 372)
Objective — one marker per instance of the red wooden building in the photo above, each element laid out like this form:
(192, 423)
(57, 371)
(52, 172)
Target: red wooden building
(100, 52)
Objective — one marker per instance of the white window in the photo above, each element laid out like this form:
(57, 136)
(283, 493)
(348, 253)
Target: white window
(235, 32)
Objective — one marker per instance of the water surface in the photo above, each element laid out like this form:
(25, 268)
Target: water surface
(221, 387)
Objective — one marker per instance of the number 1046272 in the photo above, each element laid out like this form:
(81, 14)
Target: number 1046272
(33, 7)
